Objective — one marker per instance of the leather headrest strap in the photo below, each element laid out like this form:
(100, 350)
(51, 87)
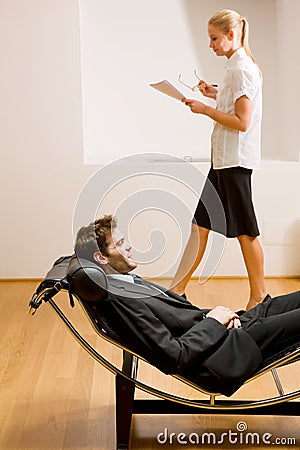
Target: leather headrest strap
(86, 279)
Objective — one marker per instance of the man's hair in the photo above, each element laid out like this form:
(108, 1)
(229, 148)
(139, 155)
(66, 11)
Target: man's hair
(93, 237)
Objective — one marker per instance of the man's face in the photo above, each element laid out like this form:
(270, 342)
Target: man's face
(118, 255)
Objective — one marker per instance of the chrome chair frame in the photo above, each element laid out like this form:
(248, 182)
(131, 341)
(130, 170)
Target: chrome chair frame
(165, 403)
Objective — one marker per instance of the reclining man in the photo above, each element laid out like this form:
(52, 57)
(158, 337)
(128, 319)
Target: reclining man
(217, 349)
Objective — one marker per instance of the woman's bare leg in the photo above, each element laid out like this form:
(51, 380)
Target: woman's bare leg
(191, 258)
(254, 261)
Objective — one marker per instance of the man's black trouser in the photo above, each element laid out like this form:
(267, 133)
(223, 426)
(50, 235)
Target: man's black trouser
(273, 321)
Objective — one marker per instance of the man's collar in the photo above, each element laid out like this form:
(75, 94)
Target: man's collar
(122, 277)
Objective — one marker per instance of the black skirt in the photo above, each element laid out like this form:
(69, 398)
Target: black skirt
(225, 205)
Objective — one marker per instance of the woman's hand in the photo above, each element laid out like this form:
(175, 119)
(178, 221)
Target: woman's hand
(196, 106)
(208, 90)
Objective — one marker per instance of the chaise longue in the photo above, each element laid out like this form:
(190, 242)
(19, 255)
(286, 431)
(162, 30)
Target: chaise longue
(85, 284)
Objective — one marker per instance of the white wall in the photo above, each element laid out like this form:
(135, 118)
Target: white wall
(288, 72)
(125, 46)
(42, 171)
(40, 134)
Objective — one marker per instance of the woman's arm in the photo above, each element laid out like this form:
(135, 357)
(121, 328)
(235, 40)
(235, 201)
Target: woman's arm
(240, 120)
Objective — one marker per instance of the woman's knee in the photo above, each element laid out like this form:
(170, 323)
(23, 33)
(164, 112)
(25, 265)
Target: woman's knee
(200, 231)
(245, 238)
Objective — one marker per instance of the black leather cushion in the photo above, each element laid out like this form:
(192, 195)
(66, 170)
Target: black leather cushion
(86, 280)
(57, 274)
(59, 269)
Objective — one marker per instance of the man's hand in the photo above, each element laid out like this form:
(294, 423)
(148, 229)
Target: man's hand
(234, 323)
(225, 316)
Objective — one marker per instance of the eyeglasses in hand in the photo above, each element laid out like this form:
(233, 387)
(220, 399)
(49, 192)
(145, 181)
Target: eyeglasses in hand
(193, 88)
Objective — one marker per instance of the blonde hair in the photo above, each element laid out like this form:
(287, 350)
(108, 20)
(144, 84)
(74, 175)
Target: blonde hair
(227, 20)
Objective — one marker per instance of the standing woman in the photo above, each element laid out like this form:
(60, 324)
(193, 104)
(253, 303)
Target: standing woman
(235, 145)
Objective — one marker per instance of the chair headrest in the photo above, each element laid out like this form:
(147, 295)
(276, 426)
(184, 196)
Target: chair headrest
(87, 280)
(58, 271)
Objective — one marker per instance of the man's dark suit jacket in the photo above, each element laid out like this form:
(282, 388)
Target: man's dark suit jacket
(173, 335)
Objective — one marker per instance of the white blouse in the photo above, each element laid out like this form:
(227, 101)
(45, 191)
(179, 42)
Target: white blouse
(231, 148)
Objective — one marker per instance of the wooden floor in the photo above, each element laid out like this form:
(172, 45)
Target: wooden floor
(53, 395)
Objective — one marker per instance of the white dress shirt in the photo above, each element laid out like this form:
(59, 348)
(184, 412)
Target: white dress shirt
(231, 148)
(127, 277)
(130, 278)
